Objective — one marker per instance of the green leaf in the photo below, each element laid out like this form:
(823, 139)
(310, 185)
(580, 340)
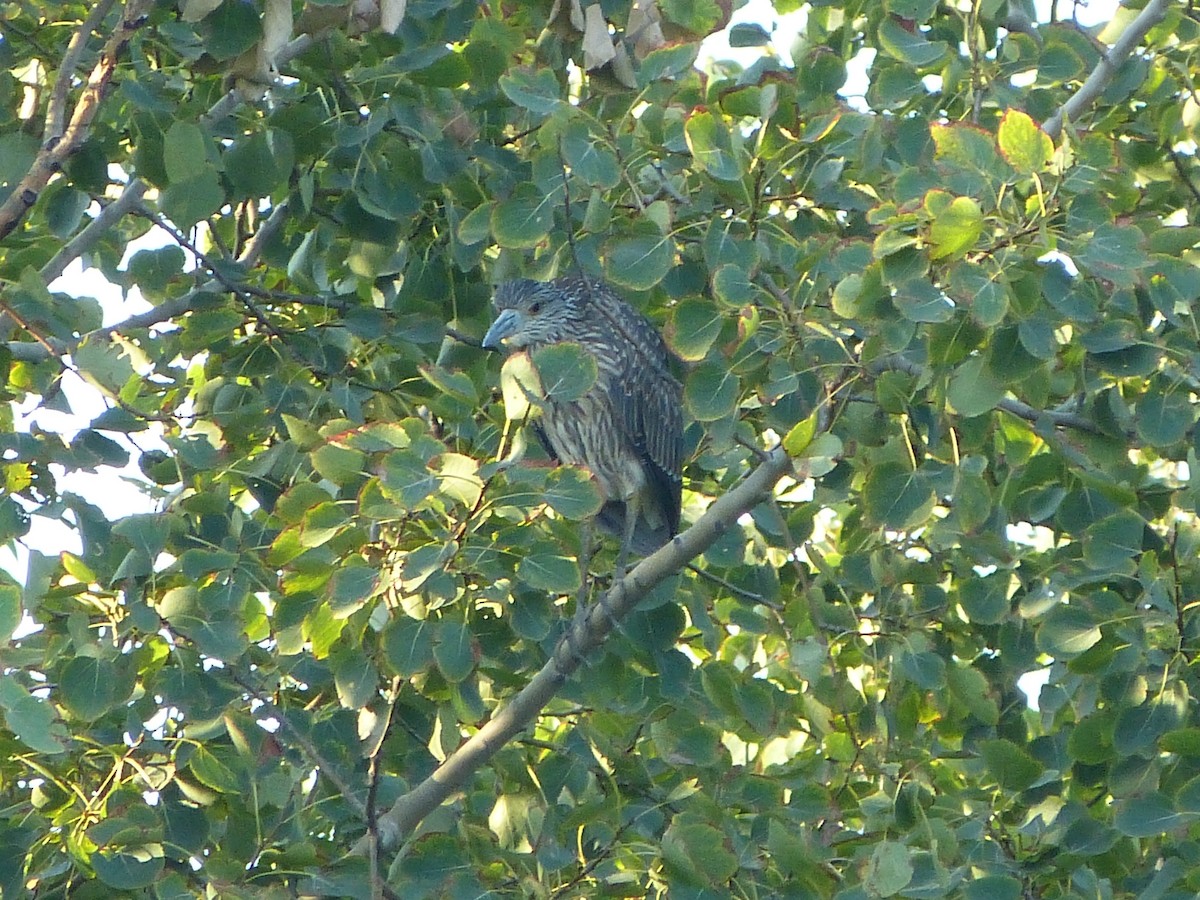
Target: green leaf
(188, 201)
(967, 146)
(537, 91)
(1138, 729)
(889, 870)
(1066, 632)
(973, 390)
(217, 769)
(128, 870)
(185, 152)
(350, 587)
(1024, 146)
(1087, 837)
(699, 17)
(711, 145)
(971, 687)
(88, 687)
(104, 363)
(694, 325)
(667, 62)
(454, 651)
(896, 497)
(522, 222)
(639, 261)
(920, 301)
(571, 492)
(1184, 741)
(1148, 816)
(985, 600)
(1058, 63)
(732, 286)
(566, 371)
(10, 606)
(711, 392)
(918, 10)
(801, 435)
(339, 463)
(1012, 766)
(356, 680)
(260, 164)
(955, 229)
(64, 209)
(1111, 541)
(993, 887)
(909, 47)
(32, 719)
(408, 645)
(1113, 252)
(589, 158)
(680, 737)
(1164, 418)
(545, 570)
(696, 852)
(925, 669)
(232, 29)
(520, 385)
(153, 270)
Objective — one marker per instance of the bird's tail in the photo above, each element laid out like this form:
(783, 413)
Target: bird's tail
(647, 537)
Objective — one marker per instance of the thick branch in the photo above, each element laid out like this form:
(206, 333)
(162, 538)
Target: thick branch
(585, 636)
(1106, 69)
(55, 151)
(57, 113)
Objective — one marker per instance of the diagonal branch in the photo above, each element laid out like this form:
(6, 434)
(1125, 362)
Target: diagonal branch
(130, 197)
(1106, 69)
(197, 298)
(56, 150)
(573, 647)
(56, 115)
(1058, 417)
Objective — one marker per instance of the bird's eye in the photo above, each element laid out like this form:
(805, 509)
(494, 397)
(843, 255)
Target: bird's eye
(535, 308)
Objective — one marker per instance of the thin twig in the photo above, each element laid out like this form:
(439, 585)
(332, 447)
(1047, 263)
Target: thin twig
(269, 708)
(1183, 174)
(1018, 408)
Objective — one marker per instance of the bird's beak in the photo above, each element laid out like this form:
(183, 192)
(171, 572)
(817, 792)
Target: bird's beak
(506, 325)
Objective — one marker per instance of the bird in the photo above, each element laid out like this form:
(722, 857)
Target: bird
(627, 428)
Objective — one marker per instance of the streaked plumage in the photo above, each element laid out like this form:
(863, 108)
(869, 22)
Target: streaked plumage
(628, 428)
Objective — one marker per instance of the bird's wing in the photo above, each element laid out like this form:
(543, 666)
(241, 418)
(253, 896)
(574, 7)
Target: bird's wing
(649, 397)
(653, 414)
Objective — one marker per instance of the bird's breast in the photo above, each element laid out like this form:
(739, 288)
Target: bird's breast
(587, 432)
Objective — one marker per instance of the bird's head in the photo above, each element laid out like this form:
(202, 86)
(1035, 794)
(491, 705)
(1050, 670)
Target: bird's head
(529, 313)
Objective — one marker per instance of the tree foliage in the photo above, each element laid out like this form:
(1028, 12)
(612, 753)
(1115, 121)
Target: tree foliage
(963, 302)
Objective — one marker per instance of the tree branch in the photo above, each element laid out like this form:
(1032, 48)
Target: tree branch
(584, 636)
(56, 114)
(1106, 69)
(1018, 408)
(94, 230)
(29, 351)
(56, 150)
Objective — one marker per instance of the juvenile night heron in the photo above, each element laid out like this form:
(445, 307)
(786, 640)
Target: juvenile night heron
(628, 427)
